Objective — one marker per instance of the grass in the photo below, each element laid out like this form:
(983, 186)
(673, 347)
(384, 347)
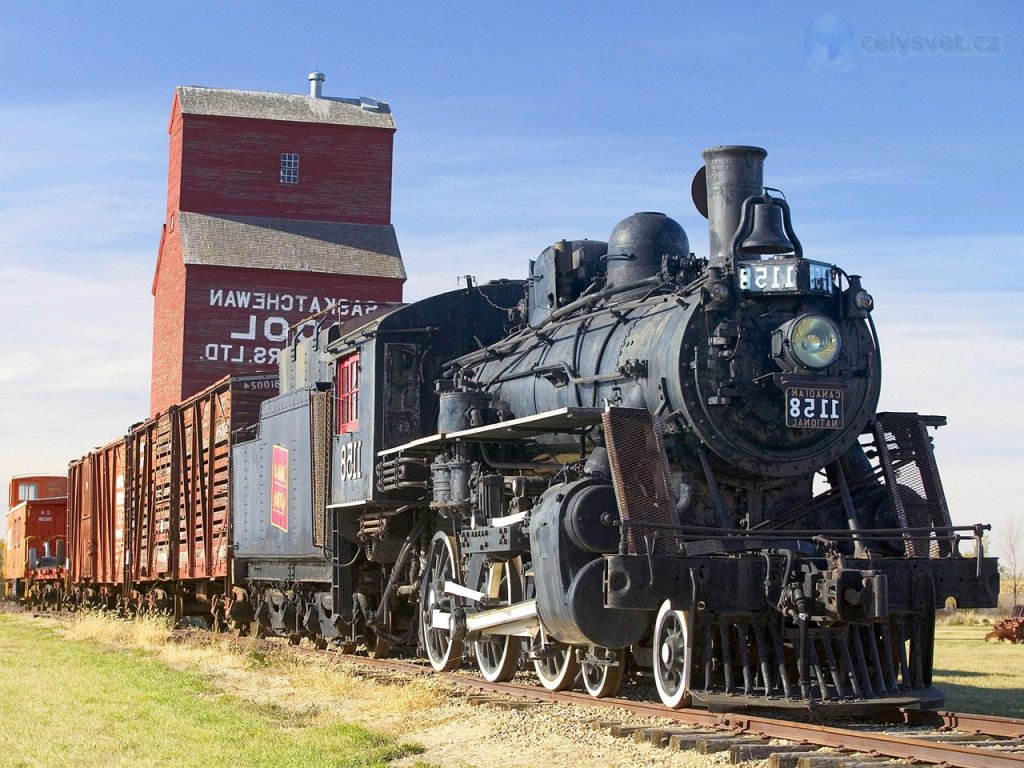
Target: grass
(978, 677)
(89, 703)
(101, 691)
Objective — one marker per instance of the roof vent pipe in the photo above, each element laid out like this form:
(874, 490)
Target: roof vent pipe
(316, 85)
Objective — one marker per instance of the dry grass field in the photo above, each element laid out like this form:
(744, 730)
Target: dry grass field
(97, 690)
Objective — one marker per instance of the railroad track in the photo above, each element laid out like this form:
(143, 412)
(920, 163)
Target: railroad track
(952, 739)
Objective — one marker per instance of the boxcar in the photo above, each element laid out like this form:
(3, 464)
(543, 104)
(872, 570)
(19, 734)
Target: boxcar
(151, 512)
(96, 505)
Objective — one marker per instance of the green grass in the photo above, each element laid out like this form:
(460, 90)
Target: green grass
(978, 677)
(82, 704)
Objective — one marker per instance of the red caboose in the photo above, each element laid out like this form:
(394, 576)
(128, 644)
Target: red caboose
(34, 567)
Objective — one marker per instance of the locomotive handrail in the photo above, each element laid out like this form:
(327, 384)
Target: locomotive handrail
(509, 344)
(567, 419)
(699, 531)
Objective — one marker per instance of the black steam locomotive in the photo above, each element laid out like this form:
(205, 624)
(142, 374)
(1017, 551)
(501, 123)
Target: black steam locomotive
(636, 460)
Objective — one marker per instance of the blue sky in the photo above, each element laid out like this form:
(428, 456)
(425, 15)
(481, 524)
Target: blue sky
(899, 149)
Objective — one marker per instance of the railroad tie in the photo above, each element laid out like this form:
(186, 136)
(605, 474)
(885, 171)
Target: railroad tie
(653, 736)
(742, 753)
(660, 735)
(621, 731)
(478, 700)
(836, 760)
(679, 742)
(712, 744)
(791, 758)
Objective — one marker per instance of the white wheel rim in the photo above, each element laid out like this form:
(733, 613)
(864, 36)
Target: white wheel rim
(436, 624)
(602, 680)
(673, 656)
(557, 672)
(493, 651)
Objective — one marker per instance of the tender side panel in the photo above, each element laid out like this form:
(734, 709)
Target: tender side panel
(273, 485)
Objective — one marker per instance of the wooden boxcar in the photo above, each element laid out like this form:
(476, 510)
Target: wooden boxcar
(96, 525)
(36, 537)
(157, 519)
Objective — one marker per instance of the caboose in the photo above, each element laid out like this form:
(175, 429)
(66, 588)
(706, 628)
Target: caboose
(35, 566)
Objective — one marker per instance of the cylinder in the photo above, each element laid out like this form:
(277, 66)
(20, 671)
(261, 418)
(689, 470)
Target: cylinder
(733, 175)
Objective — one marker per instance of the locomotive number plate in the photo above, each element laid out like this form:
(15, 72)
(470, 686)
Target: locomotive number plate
(814, 408)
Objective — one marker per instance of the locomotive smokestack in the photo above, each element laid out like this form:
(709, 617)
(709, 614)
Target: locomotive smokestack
(733, 175)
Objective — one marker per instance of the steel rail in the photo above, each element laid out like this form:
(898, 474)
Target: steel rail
(948, 754)
(988, 725)
(877, 744)
(884, 745)
(899, 747)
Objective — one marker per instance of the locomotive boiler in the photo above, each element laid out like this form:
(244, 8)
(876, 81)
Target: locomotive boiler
(636, 461)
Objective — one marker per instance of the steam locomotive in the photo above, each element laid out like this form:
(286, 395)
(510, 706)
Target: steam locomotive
(636, 461)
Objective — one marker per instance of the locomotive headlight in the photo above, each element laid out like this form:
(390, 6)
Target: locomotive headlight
(808, 341)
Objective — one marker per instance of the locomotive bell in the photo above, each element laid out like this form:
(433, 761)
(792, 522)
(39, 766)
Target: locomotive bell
(768, 234)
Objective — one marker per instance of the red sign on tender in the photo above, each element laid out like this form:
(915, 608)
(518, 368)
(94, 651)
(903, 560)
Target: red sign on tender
(279, 489)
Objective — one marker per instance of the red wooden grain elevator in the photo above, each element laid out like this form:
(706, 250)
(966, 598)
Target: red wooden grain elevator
(278, 205)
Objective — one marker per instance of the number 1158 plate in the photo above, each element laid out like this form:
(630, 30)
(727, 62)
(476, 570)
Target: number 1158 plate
(814, 408)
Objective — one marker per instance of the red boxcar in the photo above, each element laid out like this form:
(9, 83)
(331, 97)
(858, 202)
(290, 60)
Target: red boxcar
(153, 529)
(36, 537)
(96, 524)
